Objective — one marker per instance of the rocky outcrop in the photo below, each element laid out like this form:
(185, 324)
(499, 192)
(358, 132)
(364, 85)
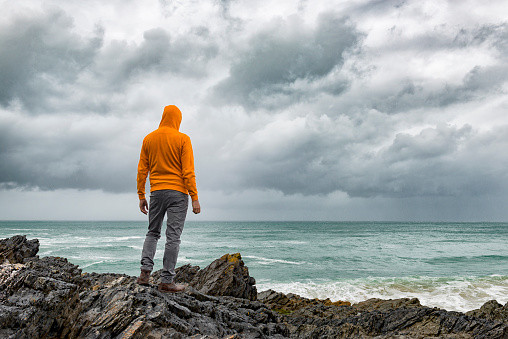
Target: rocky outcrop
(405, 317)
(51, 298)
(14, 250)
(387, 320)
(491, 310)
(226, 276)
(287, 303)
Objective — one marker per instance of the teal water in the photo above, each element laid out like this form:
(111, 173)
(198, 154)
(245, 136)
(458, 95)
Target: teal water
(457, 266)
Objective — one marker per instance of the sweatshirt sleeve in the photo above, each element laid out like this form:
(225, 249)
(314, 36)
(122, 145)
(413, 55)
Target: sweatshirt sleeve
(143, 167)
(189, 177)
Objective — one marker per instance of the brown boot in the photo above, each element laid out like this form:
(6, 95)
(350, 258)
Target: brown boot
(171, 288)
(143, 277)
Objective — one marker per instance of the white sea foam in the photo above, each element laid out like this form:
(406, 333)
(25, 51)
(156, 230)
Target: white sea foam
(453, 294)
(92, 263)
(293, 242)
(81, 242)
(269, 261)
(95, 257)
(124, 238)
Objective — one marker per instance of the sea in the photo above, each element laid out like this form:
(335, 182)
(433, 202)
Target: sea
(455, 266)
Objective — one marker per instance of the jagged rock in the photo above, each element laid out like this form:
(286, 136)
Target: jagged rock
(14, 250)
(186, 273)
(491, 310)
(406, 322)
(389, 304)
(226, 276)
(52, 298)
(287, 303)
(405, 318)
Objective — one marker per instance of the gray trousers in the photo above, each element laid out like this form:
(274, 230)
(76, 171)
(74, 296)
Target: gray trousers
(175, 204)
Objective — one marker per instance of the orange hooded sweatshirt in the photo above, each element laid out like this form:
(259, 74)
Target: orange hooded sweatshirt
(167, 155)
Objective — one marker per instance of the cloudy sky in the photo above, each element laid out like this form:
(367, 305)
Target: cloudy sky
(297, 110)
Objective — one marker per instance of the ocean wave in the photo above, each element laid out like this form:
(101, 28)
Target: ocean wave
(269, 261)
(28, 229)
(466, 259)
(293, 242)
(85, 240)
(124, 238)
(92, 264)
(450, 293)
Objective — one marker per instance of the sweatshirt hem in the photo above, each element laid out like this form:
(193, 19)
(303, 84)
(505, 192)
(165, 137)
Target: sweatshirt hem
(160, 187)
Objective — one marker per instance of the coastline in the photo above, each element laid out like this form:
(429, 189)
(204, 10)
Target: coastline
(51, 297)
(468, 293)
(336, 260)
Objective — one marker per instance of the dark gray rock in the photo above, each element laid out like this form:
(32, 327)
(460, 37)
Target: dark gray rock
(491, 310)
(406, 322)
(52, 298)
(384, 305)
(287, 303)
(226, 276)
(14, 250)
(186, 273)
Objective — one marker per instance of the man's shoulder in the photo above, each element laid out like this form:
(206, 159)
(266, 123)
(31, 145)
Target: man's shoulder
(149, 136)
(184, 136)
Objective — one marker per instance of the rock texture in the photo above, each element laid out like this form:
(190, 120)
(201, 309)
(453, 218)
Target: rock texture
(226, 276)
(287, 303)
(491, 310)
(14, 250)
(405, 317)
(51, 298)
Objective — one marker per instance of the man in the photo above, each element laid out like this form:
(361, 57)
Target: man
(167, 155)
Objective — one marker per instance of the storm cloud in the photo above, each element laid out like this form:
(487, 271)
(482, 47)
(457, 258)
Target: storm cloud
(286, 61)
(47, 67)
(40, 55)
(367, 104)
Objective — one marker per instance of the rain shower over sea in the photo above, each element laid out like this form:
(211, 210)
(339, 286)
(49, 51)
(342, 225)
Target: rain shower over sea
(455, 266)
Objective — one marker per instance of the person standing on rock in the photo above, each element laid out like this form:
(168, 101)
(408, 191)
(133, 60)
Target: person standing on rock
(167, 156)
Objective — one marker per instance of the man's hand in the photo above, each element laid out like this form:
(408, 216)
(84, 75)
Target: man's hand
(143, 206)
(196, 208)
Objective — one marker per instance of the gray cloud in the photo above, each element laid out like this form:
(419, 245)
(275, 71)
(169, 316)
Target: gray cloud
(39, 54)
(403, 93)
(47, 68)
(303, 107)
(267, 71)
(448, 37)
(86, 158)
(440, 161)
(478, 83)
(158, 53)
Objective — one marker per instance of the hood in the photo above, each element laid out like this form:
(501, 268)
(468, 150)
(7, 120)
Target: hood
(172, 117)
